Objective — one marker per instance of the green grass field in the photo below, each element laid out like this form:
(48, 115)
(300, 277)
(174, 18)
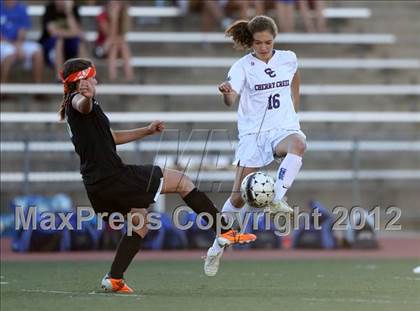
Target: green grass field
(245, 285)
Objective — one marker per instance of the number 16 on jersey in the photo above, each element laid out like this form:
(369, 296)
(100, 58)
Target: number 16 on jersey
(274, 101)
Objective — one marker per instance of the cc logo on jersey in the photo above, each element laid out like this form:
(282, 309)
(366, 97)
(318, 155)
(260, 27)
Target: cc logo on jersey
(270, 72)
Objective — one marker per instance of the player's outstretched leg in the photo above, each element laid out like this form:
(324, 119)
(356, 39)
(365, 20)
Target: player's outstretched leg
(233, 207)
(199, 202)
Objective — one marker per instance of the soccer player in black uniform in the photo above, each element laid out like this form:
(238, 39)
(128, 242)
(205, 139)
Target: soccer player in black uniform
(113, 186)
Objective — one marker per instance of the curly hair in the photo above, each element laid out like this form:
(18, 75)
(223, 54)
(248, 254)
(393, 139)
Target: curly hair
(69, 67)
(242, 31)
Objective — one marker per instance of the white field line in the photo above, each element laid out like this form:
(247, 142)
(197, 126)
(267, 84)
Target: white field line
(360, 300)
(45, 291)
(60, 292)
(113, 294)
(312, 299)
(407, 278)
(377, 301)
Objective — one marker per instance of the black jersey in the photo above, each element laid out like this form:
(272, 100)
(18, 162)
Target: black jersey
(92, 138)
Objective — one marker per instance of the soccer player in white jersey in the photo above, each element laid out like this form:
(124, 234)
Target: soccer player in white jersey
(266, 82)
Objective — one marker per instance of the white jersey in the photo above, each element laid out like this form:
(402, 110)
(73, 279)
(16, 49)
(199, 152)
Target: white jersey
(265, 90)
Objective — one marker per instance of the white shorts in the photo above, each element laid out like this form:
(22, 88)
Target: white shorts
(28, 47)
(258, 150)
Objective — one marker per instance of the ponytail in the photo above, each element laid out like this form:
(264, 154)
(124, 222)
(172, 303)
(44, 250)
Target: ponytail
(69, 89)
(241, 35)
(242, 31)
(62, 109)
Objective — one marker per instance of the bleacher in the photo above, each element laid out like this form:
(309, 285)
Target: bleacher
(360, 110)
(217, 159)
(173, 11)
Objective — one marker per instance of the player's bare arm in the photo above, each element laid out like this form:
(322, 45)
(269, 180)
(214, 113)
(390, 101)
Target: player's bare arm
(83, 101)
(295, 91)
(230, 97)
(126, 136)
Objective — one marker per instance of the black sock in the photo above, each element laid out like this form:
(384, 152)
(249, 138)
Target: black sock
(200, 203)
(126, 250)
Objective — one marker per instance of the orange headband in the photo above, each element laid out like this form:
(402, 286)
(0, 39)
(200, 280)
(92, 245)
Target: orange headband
(79, 75)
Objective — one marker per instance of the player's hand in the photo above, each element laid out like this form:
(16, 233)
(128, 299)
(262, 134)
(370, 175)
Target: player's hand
(226, 88)
(87, 88)
(156, 126)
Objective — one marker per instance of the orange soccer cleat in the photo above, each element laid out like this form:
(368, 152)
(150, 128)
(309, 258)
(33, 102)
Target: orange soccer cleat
(234, 237)
(115, 285)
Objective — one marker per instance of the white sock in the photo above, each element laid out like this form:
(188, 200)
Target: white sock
(215, 248)
(228, 207)
(288, 170)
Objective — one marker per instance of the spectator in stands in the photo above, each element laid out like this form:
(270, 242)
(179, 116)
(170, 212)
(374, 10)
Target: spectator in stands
(221, 12)
(313, 15)
(61, 32)
(309, 9)
(218, 13)
(315, 234)
(113, 24)
(183, 5)
(14, 24)
(242, 10)
(258, 6)
(212, 13)
(285, 10)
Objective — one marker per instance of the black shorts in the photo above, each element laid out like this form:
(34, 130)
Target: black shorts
(136, 186)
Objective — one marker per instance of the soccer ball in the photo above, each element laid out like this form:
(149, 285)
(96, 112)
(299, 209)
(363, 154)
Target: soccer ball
(257, 189)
